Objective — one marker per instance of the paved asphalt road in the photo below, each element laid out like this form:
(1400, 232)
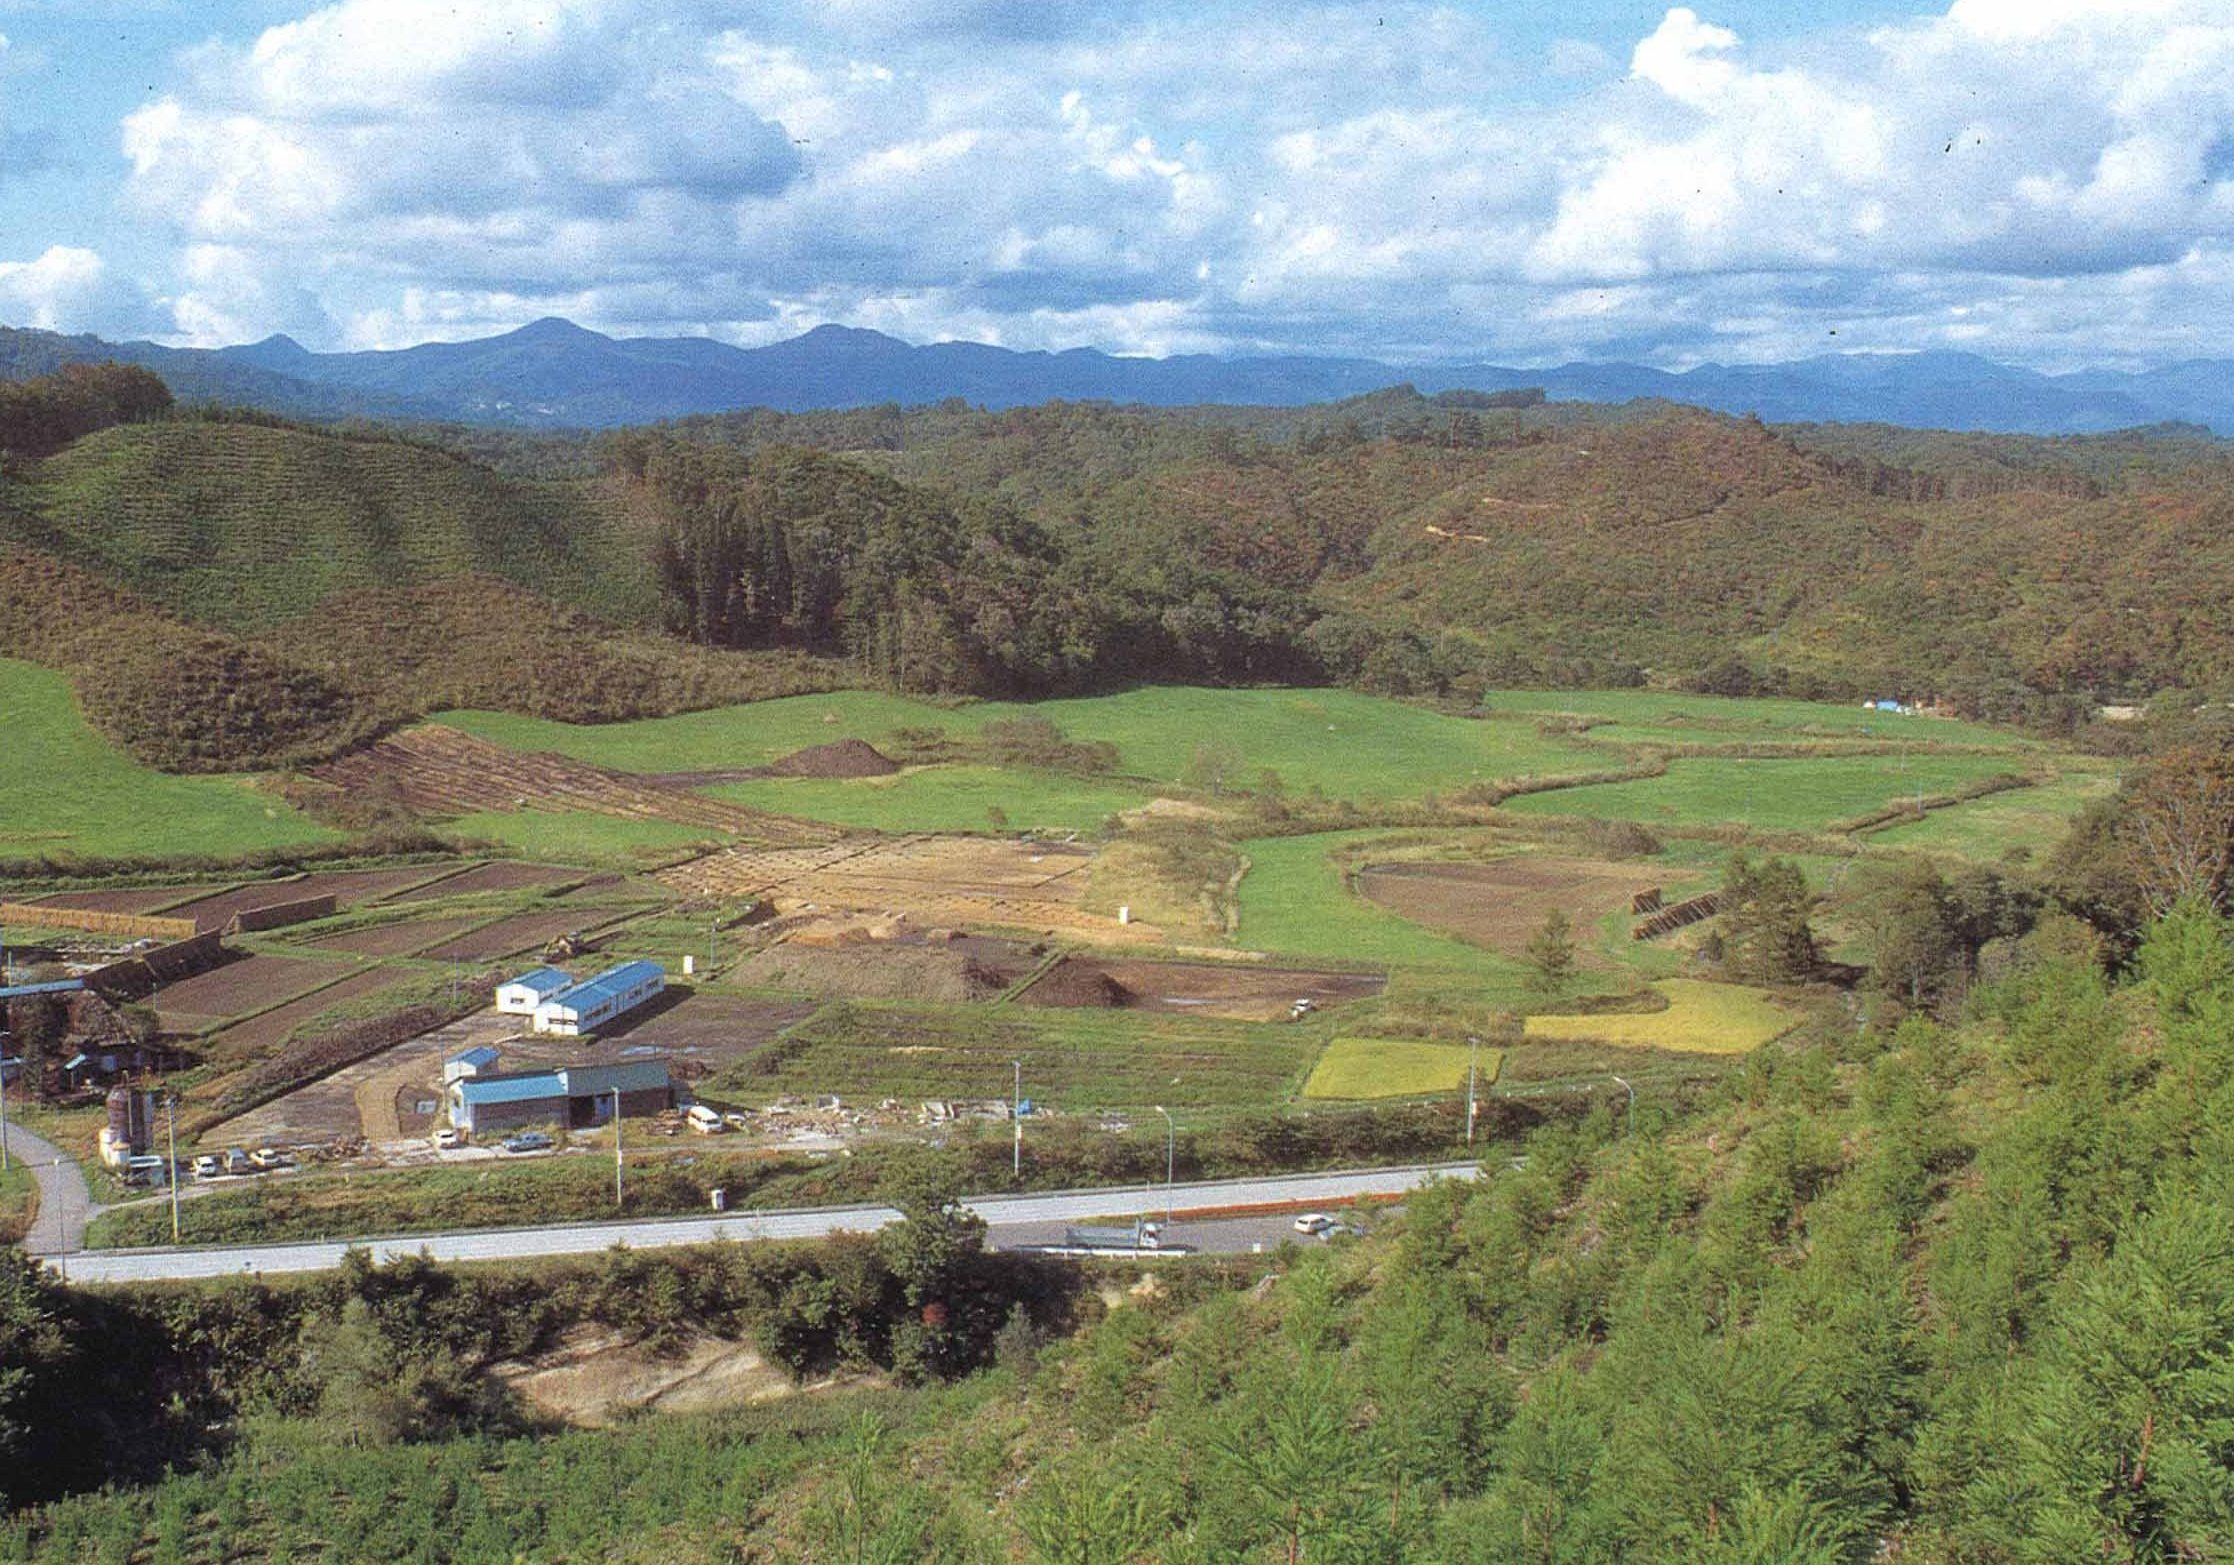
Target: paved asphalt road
(1012, 1222)
(65, 1204)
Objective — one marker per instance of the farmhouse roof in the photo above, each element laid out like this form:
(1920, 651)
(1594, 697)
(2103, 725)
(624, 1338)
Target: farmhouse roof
(516, 1087)
(594, 1081)
(477, 1056)
(568, 1081)
(613, 981)
(545, 981)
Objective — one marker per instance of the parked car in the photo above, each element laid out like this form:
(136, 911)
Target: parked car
(1314, 1223)
(236, 1161)
(527, 1141)
(268, 1158)
(448, 1137)
(706, 1121)
(737, 1121)
(208, 1166)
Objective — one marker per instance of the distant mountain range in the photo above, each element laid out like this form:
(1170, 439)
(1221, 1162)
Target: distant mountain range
(554, 374)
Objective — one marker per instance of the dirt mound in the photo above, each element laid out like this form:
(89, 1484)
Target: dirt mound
(843, 758)
(875, 971)
(1072, 983)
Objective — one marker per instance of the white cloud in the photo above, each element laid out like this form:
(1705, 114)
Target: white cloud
(52, 290)
(1319, 176)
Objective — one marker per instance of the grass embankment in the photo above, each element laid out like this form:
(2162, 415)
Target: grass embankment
(1358, 1069)
(66, 790)
(1676, 717)
(19, 1202)
(2023, 821)
(1700, 1018)
(1768, 795)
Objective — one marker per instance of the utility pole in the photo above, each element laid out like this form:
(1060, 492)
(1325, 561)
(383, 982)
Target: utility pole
(618, 1196)
(713, 942)
(170, 1170)
(1625, 1087)
(5, 1035)
(1016, 1119)
(1171, 1156)
(1473, 1054)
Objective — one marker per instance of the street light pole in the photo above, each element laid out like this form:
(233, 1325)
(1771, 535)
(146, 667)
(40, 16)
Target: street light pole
(618, 1197)
(1625, 1087)
(170, 1168)
(1016, 1120)
(1171, 1156)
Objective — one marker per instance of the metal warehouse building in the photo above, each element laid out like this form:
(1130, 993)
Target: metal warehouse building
(573, 1096)
(595, 1001)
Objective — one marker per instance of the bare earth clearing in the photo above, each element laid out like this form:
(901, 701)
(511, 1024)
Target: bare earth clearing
(928, 881)
(1501, 904)
(1236, 991)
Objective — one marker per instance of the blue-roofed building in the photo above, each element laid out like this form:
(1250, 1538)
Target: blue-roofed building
(479, 1061)
(520, 996)
(571, 1096)
(592, 1003)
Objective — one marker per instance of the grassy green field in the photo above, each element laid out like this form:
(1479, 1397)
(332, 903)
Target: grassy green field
(1675, 716)
(1348, 745)
(65, 789)
(577, 837)
(1701, 1018)
(2031, 820)
(1295, 902)
(942, 798)
(1359, 1069)
(1775, 795)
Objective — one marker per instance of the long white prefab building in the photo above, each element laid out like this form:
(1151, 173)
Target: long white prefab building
(593, 1002)
(523, 994)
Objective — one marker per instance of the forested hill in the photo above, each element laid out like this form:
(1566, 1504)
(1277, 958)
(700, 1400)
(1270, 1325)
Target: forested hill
(1399, 543)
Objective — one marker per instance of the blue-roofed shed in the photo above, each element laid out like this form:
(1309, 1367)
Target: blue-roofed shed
(477, 1061)
(572, 1095)
(595, 1001)
(520, 996)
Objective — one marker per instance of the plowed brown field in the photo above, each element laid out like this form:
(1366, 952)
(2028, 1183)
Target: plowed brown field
(1502, 903)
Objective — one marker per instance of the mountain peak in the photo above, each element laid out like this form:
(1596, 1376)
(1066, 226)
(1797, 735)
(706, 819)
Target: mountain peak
(555, 328)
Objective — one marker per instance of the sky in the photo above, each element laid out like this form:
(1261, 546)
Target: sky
(2045, 182)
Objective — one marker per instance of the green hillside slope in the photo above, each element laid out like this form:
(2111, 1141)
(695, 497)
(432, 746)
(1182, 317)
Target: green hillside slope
(244, 526)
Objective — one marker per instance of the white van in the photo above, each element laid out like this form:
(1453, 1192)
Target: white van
(706, 1121)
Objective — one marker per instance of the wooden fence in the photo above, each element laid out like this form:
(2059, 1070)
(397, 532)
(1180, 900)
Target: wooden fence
(1676, 915)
